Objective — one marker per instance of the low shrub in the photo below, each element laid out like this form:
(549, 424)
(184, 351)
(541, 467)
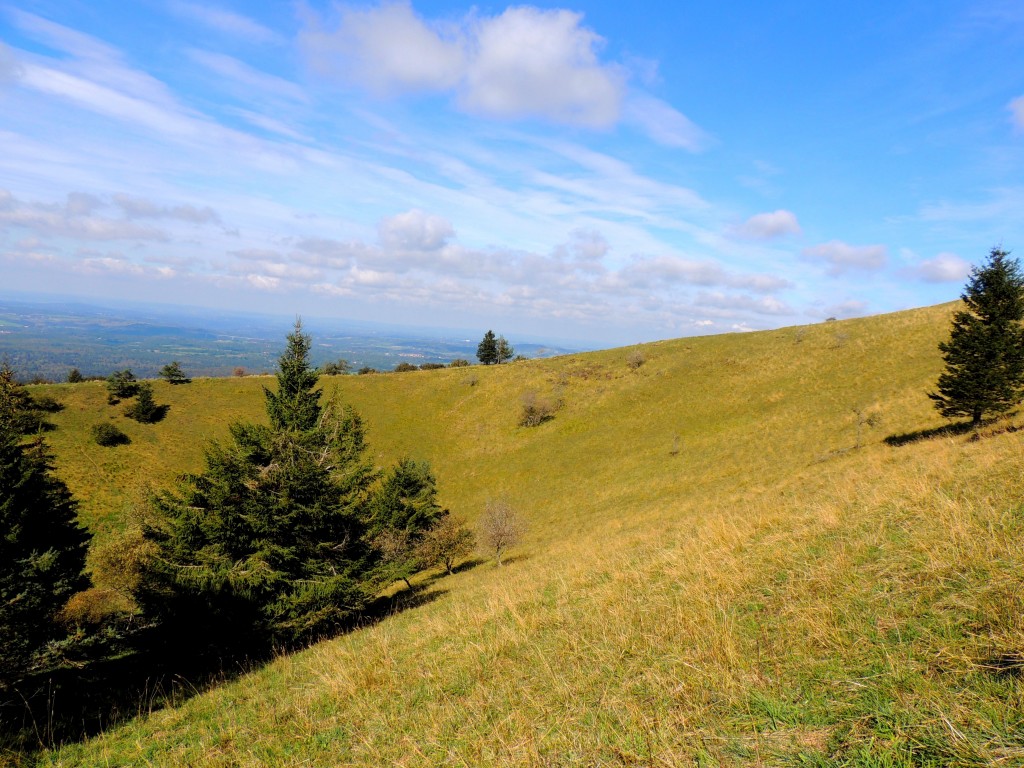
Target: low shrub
(108, 435)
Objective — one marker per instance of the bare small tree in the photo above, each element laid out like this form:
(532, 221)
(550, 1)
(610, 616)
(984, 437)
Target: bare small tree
(446, 543)
(536, 410)
(635, 359)
(865, 418)
(500, 528)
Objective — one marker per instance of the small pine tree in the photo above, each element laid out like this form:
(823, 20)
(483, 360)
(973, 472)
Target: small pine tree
(296, 404)
(109, 435)
(121, 385)
(487, 349)
(144, 410)
(985, 352)
(42, 555)
(173, 374)
(75, 376)
(406, 500)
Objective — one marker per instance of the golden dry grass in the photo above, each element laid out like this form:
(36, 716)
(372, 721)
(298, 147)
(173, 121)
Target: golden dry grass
(713, 576)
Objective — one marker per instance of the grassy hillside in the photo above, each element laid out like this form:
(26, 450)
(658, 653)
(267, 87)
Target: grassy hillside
(714, 574)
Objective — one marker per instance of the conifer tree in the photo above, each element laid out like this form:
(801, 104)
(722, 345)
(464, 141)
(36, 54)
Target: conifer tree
(487, 349)
(401, 511)
(267, 544)
(42, 553)
(144, 410)
(17, 408)
(296, 404)
(985, 352)
(173, 374)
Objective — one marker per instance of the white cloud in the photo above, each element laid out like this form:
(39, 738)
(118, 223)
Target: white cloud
(842, 257)
(529, 62)
(763, 305)
(387, 49)
(228, 22)
(765, 226)
(663, 123)
(71, 219)
(140, 208)
(646, 272)
(271, 124)
(1016, 108)
(107, 101)
(414, 230)
(62, 38)
(524, 63)
(943, 268)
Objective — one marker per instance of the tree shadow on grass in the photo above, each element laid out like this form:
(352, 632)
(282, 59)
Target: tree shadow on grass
(948, 430)
(466, 565)
(991, 427)
(73, 704)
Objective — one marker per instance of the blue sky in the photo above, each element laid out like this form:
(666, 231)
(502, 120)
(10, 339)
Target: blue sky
(588, 171)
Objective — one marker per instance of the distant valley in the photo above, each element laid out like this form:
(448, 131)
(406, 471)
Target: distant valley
(45, 338)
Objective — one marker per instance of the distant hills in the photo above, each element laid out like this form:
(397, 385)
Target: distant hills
(45, 338)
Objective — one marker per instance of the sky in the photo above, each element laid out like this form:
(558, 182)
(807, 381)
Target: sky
(597, 171)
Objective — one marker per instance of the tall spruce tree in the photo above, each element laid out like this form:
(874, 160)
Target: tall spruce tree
(985, 352)
(267, 545)
(487, 349)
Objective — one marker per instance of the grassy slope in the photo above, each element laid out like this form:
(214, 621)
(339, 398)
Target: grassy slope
(761, 595)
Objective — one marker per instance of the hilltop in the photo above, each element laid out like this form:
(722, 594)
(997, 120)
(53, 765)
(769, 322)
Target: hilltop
(728, 563)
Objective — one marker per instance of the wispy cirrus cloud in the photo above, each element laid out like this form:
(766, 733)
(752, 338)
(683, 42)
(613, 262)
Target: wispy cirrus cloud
(1016, 107)
(253, 80)
(226, 22)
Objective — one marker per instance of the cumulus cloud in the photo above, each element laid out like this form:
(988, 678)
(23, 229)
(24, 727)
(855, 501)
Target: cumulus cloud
(765, 226)
(530, 62)
(140, 208)
(387, 49)
(842, 257)
(943, 268)
(1016, 108)
(526, 62)
(73, 218)
(414, 231)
